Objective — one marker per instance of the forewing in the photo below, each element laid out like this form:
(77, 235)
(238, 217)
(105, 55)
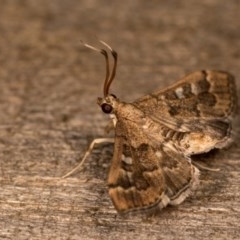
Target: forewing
(202, 94)
(146, 177)
(201, 105)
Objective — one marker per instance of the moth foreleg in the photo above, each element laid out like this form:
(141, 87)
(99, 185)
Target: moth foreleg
(96, 141)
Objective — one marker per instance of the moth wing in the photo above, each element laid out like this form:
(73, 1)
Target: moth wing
(146, 177)
(201, 94)
(201, 105)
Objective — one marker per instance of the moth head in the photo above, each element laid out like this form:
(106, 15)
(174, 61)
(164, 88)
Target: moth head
(107, 103)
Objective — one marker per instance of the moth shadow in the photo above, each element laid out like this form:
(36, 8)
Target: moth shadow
(207, 158)
(215, 170)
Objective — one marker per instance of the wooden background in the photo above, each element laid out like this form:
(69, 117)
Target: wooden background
(48, 113)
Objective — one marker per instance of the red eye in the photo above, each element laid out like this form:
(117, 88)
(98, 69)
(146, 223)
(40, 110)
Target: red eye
(106, 108)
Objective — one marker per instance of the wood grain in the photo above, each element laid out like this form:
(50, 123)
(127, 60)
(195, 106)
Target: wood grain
(48, 113)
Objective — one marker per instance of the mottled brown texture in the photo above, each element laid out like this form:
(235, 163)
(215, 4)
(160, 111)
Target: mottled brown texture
(49, 85)
(157, 153)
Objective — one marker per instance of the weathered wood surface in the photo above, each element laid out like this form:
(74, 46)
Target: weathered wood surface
(48, 113)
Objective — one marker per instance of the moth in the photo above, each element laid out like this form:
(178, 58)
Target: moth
(156, 135)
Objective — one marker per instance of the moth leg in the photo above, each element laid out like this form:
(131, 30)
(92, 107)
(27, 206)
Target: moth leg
(96, 141)
(202, 167)
(111, 125)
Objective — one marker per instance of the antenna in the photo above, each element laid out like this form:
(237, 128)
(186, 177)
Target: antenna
(109, 78)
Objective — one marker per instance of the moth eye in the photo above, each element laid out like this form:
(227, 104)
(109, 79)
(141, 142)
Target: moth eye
(106, 108)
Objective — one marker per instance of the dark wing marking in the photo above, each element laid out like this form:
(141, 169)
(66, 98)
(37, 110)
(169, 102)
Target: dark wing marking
(208, 94)
(202, 103)
(143, 176)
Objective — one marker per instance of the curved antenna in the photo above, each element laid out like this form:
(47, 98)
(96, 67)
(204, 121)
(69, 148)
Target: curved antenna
(104, 53)
(115, 56)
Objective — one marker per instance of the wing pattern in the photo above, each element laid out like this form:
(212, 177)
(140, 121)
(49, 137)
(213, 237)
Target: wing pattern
(156, 134)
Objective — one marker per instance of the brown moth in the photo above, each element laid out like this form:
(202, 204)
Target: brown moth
(156, 135)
